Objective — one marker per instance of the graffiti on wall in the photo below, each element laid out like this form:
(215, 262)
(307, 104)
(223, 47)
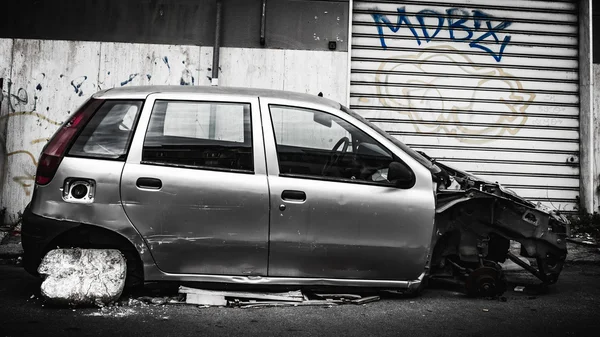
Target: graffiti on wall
(476, 28)
(21, 103)
(449, 115)
(442, 105)
(24, 102)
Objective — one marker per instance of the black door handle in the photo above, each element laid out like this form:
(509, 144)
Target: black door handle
(293, 195)
(149, 183)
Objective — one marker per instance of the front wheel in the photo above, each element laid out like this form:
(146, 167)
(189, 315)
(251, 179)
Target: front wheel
(486, 282)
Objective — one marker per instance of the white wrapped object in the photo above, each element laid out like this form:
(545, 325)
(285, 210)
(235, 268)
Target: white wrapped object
(83, 276)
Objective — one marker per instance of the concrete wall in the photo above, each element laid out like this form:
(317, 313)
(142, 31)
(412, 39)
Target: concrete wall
(596, 134)
(44, 81)
(290, 24)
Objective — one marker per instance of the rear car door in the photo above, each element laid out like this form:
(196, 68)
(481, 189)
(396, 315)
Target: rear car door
(195, 185)
(333, 213)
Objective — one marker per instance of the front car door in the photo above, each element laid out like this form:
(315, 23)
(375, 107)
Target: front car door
(334, 215)
(195, 185)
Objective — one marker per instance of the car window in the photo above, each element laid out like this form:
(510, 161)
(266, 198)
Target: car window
(300, 129)
(318, 144)
(200, 134)
(108, 133)
(407, 149)
(128, 119)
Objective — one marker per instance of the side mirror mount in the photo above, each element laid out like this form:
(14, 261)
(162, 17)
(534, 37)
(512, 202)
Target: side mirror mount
(400, 175)
(323, 119)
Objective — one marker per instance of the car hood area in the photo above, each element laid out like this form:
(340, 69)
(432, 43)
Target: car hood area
(476, 220)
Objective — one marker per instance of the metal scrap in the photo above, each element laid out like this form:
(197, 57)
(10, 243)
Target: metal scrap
(240, 299)
(366, 300)
(339, 296)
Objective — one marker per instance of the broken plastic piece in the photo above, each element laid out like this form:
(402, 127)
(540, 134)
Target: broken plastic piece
(291, 296)
(206, 299)
(366, 300)
(340, 296)
(519, 288)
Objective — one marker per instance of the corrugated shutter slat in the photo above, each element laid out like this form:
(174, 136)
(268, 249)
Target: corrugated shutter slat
(489, 88)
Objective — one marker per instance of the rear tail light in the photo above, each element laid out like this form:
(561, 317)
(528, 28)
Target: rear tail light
(55, 149)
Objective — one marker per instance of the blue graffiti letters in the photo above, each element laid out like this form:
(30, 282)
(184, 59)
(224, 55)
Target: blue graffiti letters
(478, 29)
(394, 28)
(459, 24)
(421, 18)
(491, 31)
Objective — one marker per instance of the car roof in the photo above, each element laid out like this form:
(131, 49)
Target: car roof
(141, 92)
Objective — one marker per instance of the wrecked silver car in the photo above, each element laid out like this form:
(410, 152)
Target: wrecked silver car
(267, 187)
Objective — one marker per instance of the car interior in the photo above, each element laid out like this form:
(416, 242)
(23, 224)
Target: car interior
(355, 156)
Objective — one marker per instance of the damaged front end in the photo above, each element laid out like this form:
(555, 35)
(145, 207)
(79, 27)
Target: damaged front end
(475, 222)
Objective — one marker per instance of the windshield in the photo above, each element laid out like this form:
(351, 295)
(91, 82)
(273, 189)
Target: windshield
(414, 154)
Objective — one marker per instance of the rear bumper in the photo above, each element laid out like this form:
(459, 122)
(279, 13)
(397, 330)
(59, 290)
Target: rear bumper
(37, 232)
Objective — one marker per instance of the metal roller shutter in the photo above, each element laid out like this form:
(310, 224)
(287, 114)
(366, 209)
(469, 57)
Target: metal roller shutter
(488, 87)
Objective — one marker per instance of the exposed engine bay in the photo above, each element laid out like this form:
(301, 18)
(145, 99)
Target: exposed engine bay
(475, 222)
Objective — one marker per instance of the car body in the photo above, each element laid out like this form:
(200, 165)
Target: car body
(251, 186)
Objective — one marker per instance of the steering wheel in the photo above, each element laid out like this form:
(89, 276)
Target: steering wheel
(335, 157)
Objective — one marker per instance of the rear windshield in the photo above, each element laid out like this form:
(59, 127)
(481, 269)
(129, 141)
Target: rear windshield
(109, 132)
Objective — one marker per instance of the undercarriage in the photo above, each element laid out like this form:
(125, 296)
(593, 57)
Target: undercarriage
(475, 222)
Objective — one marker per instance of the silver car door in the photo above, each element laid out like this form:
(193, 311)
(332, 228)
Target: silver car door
(333, 213)
(195, 186)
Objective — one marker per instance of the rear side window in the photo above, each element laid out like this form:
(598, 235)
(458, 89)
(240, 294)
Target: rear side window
(211, 135)
(108, 134)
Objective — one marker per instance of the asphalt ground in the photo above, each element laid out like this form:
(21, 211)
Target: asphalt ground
(569, 308)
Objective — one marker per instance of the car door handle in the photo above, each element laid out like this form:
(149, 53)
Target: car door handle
(149, 183)
(293, 195)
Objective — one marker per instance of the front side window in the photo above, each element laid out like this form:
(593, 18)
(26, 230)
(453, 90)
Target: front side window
(317, 144)
(209, 135)
(108, 133)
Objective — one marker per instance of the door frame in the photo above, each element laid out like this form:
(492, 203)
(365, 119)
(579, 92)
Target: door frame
(423, 189)
(258, 145)
(134, 158)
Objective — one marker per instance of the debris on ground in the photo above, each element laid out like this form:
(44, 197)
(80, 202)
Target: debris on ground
(10, 242)
(583, 253)
(11, 250)
(112, 312)
(239, 299)
(586, 241)
(366, 300)
(218, 298)
(83, 276)
(339, 296)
